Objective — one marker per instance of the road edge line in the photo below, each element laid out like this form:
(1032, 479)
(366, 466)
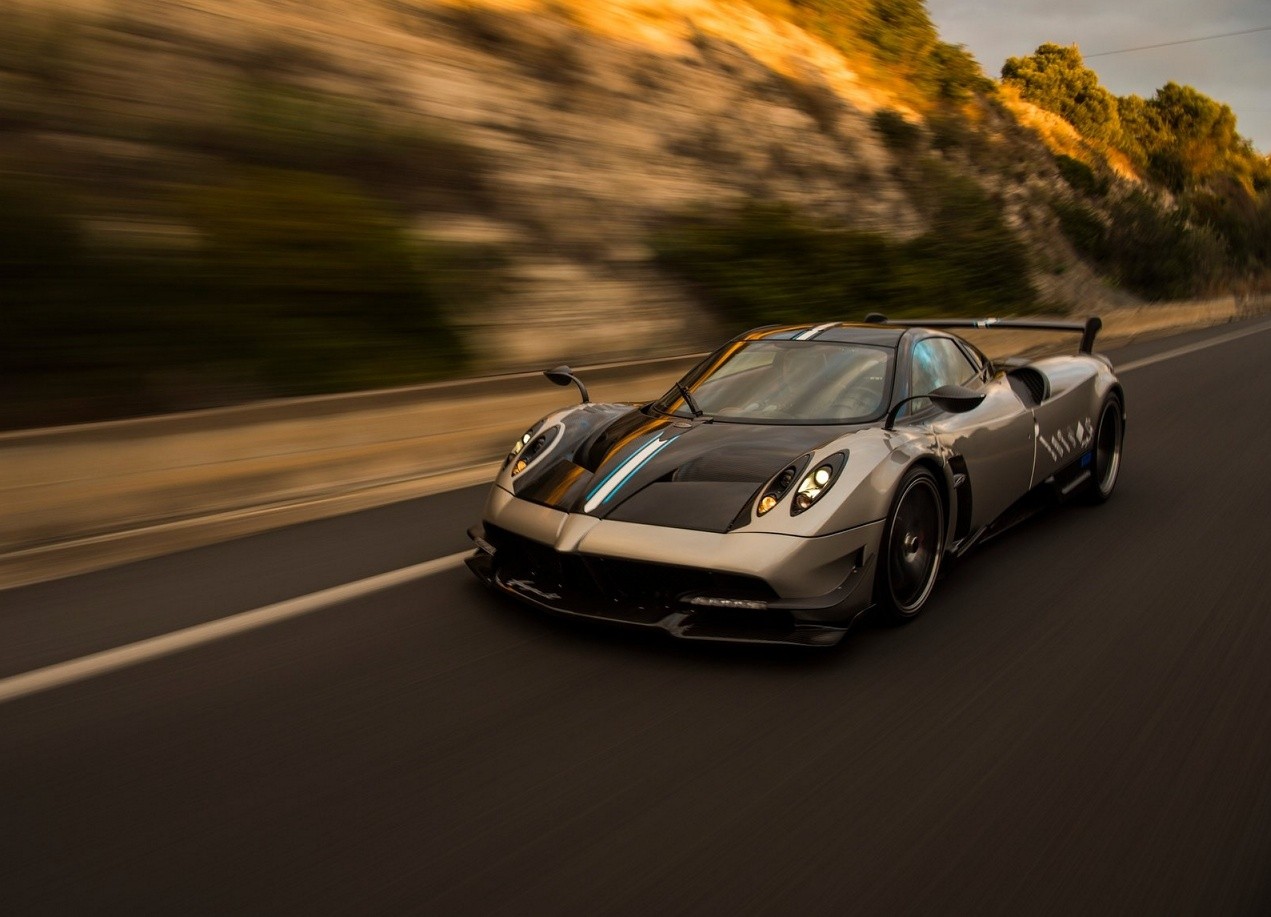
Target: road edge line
(59, 674)
(1191, 348)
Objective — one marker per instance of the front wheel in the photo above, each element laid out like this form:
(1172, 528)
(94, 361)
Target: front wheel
(912, 546)
(1108, 438)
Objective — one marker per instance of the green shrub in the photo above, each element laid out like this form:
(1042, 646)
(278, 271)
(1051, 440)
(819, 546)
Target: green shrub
(1241, 218)
(277, 125)
(1080, 177)
(319, 283)
(973, 259)
(41, 256)
(949, 132)
(899, 31)
(1083, 229)
(815, 99)
(954, 74)
(767, 262)
(1153, 252)
(899, 135)
(301, 283)
(1158, 254)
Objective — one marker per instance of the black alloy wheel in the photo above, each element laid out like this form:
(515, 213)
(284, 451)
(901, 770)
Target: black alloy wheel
(913, 545)
(1108, 438)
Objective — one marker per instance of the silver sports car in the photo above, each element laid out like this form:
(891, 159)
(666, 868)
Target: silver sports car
(796, 478)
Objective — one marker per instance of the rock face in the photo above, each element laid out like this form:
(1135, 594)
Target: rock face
(605, 117)
(596, 139)
(604, 125)
(594, 120)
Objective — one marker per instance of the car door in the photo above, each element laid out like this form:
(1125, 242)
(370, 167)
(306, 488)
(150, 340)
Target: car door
(995, 440)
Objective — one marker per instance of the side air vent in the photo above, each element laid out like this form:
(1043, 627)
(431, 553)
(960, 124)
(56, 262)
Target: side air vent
(1030, 384)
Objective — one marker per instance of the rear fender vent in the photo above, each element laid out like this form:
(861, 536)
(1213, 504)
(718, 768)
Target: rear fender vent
(1030, 384)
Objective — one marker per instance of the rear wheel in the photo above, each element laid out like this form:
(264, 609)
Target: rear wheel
(1108, 437)
(913, 544)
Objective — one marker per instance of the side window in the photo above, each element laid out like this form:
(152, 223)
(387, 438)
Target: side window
(937, 362)
(978, 360)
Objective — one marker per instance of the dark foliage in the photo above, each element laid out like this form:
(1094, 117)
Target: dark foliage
(900, 135)
(1153, 252)
(766, 262)
(1080, 177)
(300, 284)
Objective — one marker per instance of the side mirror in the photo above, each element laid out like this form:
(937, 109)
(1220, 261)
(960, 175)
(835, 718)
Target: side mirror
(952, 398)
(955, 399)
(563, 375)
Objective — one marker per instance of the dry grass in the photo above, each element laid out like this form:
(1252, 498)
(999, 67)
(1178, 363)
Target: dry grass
(669, 27)
(1062, 138)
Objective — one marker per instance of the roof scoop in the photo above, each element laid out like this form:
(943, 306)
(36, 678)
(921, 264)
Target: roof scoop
(563, 375)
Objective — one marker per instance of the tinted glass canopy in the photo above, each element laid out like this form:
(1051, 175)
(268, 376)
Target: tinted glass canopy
(785, 381)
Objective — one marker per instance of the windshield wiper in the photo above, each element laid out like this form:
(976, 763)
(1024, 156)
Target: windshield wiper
(689, 399)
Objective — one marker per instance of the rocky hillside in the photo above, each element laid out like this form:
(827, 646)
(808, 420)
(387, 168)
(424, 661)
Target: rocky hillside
(518, 160)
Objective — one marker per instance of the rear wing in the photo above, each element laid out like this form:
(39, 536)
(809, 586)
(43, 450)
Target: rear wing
(1088, 329)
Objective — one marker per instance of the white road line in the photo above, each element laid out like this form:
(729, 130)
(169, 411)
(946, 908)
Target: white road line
(65, 673)
(1192, 348)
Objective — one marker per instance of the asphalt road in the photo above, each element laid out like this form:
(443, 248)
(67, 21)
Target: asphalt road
(1080, 723)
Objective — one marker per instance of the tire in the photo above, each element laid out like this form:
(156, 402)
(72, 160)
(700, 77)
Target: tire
(912, 548)
(1109, 436)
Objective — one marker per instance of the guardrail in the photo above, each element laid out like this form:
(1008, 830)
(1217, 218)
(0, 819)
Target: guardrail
(92, 480)
(87, 484)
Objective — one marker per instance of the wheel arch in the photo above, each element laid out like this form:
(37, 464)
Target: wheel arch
(1116, 389)
(944, 475)
(892, 608)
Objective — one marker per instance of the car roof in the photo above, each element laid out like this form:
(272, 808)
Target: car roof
(837, 332)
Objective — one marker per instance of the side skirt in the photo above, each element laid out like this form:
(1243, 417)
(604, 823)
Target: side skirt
(1046, 495)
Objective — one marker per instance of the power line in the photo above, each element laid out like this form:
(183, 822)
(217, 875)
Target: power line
(1184, 41)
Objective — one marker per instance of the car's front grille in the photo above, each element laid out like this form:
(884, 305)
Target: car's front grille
(638, 581)
(634, 584)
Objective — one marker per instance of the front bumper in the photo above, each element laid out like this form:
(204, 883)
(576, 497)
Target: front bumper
(736, 587)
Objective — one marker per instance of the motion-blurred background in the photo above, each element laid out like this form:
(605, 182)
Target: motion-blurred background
(214, 201)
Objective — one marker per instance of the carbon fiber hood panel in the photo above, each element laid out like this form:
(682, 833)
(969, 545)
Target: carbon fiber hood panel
(667, 471)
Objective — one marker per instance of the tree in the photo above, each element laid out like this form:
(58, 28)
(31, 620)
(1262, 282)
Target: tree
(1055, 78)
(955, 73)
(1197, 136)
(1186, 140)
(900, 30)
(1140, 128)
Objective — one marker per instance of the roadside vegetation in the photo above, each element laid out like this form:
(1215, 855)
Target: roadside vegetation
(237, 234)
(189, 219)
(896, 40)
(1197, 222)
(768, 263)
(1201, 220)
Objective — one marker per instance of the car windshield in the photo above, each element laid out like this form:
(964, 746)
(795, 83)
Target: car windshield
(784, 381)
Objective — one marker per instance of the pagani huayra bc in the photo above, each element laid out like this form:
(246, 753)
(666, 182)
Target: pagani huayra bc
(796, 478)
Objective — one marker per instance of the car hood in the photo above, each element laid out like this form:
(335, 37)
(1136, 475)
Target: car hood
(668, 471)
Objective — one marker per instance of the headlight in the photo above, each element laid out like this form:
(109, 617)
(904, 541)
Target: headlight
(780, 486)
(816, 482)
(521, 443)
(519, 446)
(533, 448)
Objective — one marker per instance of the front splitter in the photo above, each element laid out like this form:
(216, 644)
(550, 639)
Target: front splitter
(684, 623)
